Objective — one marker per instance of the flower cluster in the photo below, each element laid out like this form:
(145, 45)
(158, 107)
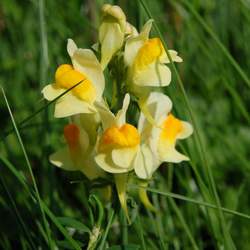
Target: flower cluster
(104, 143)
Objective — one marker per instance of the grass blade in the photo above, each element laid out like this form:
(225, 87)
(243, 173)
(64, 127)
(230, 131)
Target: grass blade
(46, 225)
(217, 40)
(201, 203)
(49, 213)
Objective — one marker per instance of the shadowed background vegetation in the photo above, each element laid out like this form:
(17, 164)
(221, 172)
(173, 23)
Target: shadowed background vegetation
(213, 39)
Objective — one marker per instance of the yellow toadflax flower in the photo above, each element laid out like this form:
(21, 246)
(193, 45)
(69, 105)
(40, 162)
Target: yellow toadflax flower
(119, 142)
(146, 58)
(117, 148)
(158, 142)
(79, 152)
(111, 32)
(86, 68)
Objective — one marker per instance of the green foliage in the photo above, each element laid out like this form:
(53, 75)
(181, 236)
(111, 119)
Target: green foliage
(44, 206)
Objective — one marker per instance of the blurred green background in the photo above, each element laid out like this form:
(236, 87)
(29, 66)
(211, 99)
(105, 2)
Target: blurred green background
(213, 39)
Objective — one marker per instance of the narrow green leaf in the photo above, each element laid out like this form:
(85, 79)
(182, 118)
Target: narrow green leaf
(70, 222)
(201, 203)
(46, 225)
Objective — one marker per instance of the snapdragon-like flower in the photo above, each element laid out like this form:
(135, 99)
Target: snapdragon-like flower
(81, 99)
(79, 153)
(99, 142)
(119, 142)
(117, 148)
(111, 32)
(146, 58)
(158, 142)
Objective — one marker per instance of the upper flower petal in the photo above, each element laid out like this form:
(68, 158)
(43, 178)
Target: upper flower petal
(111, 42)
(134, 43)
(158, 105)
(121, 114)
(111, 32)
(71, 47)
(187, 130)
(85, 61)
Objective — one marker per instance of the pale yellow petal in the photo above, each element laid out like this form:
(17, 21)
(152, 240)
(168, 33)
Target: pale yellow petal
(114, 11)
(134, 43)
(144, 165)
(124, 157)
(131, 31)
(112, 40)
(132, 47)
(168, 153)
(84, 140)
(50, 92)
(158, 105)
(71, 47)
(121, 114)
(70, 105)
(155, 75)
(154, 139)
(146, 29)
(62, 160)
(107, 117)
(105, 162)
(85, 61)
(187, 130)
(174, 56)
(90, 123)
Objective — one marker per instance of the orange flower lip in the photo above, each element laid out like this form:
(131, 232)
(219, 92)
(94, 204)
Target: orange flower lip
(72, 135)
(148, 53)
(171, 127)
(66, 77)
(125, 136)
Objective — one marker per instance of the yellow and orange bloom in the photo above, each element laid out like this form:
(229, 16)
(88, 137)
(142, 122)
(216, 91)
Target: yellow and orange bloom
(117, 148)
(81, 99)
(146, 58)
(78, 155)
(111, 32)
(119, 142)
(100, 143)
(158, 142)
